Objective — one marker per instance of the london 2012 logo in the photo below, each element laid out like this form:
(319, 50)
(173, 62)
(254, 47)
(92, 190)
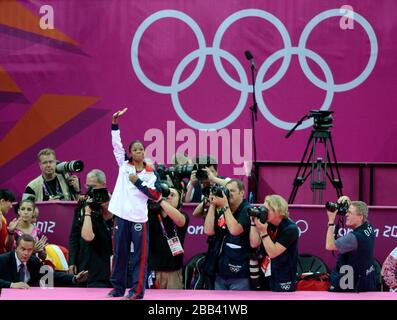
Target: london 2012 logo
(243, 86)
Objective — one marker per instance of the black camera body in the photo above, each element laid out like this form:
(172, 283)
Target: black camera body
(201, 174)
(96, 197)
(154, 206)
(341, 208)
(69, 166)
(182, 171)
(258, 212)
(179, 171)
(322, 119)
(217, 190)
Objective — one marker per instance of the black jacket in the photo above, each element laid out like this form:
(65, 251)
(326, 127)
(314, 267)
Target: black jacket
(9, 274)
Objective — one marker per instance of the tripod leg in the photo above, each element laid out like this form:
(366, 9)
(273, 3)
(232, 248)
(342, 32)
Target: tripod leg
(337, 183)
(299, 180)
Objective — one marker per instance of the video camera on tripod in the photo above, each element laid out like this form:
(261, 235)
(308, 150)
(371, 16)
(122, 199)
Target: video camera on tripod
(321, 167)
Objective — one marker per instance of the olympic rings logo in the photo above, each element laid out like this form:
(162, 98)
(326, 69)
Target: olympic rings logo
(302, 225)
(243, 86)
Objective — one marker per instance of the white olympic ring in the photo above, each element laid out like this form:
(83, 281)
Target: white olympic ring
(306, 226)
(329, 86)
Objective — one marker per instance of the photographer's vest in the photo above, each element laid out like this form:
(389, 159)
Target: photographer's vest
(284, 266)
(37, 185)
(361, 260)
(233, 259)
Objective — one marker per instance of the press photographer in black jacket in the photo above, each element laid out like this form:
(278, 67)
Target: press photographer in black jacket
(167, 229)
(91, 236)
(227, 221)
(355, 268)
(279, 236)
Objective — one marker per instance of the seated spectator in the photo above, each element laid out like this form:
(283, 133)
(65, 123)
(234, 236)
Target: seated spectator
(20, 269)
(51, 185)
(168, 226)
(389, 270)
(6, 200)
(24, 225)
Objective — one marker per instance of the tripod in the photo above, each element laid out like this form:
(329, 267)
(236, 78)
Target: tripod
(321, 168)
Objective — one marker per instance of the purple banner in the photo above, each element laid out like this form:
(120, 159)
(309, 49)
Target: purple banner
(56, 218)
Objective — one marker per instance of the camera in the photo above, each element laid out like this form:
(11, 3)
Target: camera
(201, 174)
(96, 197)
(258, 212)
(165, 192)
(322, 119)
(217, 190)
(341, 207)
(179, 171)
(182, 171)
(176, 174)
(69, 166)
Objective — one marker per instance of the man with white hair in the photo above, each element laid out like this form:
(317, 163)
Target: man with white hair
(90, 240)
(356, 250)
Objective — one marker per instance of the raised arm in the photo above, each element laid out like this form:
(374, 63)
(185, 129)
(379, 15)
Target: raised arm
(118, 149)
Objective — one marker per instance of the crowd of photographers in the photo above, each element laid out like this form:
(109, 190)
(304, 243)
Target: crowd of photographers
(134, 238)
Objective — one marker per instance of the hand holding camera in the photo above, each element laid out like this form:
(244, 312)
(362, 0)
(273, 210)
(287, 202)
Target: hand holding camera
(94, 200)
(261, 213)
(340, 207)
(220, 195)
(206, 173)
(74, 183)
(193, 179)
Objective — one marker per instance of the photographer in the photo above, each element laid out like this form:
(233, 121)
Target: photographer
(51, 185)
(355, 249)
(168, 226)
(227, 220)
(279, 236)
(203, 178)
(90, 240)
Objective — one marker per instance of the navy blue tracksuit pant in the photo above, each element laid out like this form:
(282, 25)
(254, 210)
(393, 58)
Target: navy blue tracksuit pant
(127, 234)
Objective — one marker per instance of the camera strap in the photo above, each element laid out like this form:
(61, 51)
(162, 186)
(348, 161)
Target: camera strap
(50, 192)
(174, 242)
(266, 262)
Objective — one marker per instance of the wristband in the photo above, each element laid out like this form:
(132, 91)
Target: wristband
(263, 236)
(87, 215)
(10, 233)
(331, 224)
(225, 208)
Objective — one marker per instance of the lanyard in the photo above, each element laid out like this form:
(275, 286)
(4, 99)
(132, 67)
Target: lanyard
(48, 191)
(163, 228)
